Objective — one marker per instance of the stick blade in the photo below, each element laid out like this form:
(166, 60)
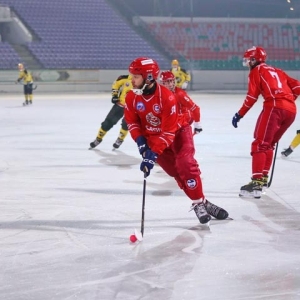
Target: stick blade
(138, 235)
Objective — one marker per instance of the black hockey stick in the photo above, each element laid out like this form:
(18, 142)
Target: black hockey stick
(273, 166)
(143, 205)
(140, 234)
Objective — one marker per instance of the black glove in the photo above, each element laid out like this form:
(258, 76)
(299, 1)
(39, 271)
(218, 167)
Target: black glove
(142, 144)
(115, 99)
(115, 96)
(236, 118)
(197, 128)
(148, 162)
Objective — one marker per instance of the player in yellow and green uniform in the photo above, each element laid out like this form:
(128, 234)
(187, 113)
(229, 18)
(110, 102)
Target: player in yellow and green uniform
(26, 77)
(295, 143)
(120, 87)
(182, 76)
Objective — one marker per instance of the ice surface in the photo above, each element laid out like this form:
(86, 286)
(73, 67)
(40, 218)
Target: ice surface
(66, 212)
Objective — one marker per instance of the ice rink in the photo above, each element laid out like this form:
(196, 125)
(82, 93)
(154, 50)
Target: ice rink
(66, 212)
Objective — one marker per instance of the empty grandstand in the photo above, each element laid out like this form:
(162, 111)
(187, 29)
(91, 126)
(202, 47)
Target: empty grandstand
(108, 34)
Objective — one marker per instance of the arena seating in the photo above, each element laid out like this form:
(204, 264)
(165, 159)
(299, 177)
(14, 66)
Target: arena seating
(215, 45)
(72, 34)
(9, 59)
(80, 34)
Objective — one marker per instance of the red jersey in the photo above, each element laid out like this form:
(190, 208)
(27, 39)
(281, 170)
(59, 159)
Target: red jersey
(187, 106)
(153, 116)
(277, 88)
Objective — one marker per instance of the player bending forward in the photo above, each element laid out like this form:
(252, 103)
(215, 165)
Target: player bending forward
(164, 136)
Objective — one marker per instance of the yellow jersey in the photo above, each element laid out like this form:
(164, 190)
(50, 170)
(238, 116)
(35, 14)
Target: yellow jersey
(181, 76)
(122, 86)
(25, 76)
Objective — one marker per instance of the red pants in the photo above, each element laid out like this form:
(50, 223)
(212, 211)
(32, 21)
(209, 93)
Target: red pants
(271, 124)
(178, 161)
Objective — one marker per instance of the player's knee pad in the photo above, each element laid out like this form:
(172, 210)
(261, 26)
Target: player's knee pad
(107, 124)
(124, 125)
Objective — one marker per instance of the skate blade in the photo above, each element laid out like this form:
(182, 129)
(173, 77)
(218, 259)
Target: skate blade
(205, 226)
(207, 223)
(246, 194)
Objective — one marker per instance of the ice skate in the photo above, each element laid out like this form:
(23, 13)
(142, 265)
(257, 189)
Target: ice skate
(118, 143)
(30, 101)
(265, 179)
(253, 189)
(95, 143)
(286, 152)
(201, 212)
(216, 211)
(25, 103)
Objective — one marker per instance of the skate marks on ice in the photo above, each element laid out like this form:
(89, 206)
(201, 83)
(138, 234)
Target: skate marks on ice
(278, 212)
(290, 159)
(117, 159)
(4, 166)
(151, 274)
(124, 161)
(281, 223)
(121, 192)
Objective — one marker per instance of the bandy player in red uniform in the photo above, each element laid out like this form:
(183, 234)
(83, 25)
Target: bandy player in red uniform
(186, 105)
(279, 110)
(164, 136)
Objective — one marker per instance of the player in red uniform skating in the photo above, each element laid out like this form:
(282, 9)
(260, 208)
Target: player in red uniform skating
(279, 110)
(164, 136)
(186, 105)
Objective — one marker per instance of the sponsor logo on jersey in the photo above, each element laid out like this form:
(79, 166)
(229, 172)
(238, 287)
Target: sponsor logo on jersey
(156, 108)
(191, 183)
(153, 129)
(140, 106)
(153, 120)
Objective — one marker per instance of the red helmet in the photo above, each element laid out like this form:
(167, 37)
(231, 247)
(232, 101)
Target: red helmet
(167, 79)
(166, 75)
(254, 55)
(146, 67)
